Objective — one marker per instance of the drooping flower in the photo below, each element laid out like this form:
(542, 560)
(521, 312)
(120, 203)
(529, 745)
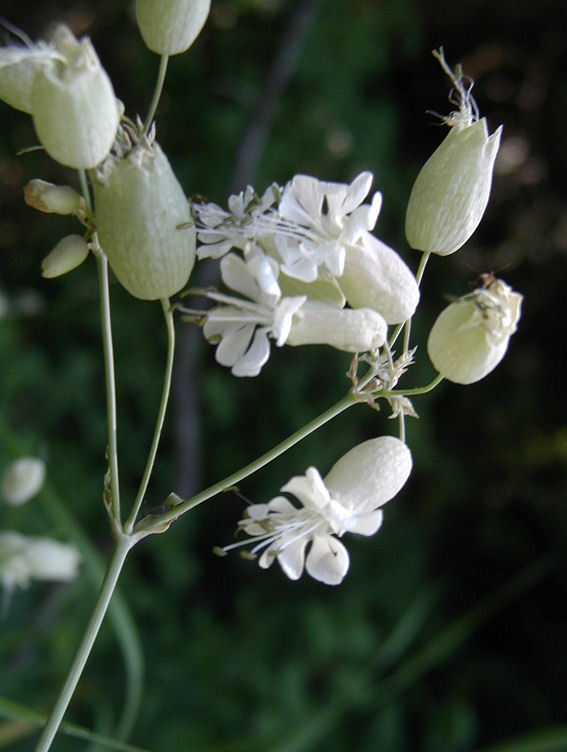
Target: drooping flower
(450, 194)
(470, 337)
(169, 27)
(18, 67)
(349, 499)
(74, 109)
(23, 558)
(22, 480)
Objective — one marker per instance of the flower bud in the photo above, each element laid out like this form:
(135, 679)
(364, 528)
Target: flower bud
(317, 323)
(66, 256)
(470, 337)
(169, 27)
(451, 192)
(74, 109)
(376, 277)
(139, 206)
(18, 67)
(53, 199)
(22, 480)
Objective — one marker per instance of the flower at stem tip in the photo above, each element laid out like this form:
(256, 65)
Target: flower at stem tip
(347, 500)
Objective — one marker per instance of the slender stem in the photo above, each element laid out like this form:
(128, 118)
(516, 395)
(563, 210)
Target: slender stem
(413, 392)
(102, 265)
(418, 277)
(157, 94)
(122, 546)
(231, 480)
(168, 314)
(86, 193)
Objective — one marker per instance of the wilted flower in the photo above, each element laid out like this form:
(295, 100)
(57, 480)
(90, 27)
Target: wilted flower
(347, 500)
(74, 109)
(470, 337)
(23, 559)
(451, 192)
(22, 479)
(169, 27)
(139, 206)
(53, 199)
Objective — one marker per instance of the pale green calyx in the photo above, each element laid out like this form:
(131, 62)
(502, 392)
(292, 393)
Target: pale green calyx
(470, 337)
(74, 109)
(68, 254)
(53, 199)
(140, 206)
(450, 194)
(351, 330)
(18, 67)
(169, 27)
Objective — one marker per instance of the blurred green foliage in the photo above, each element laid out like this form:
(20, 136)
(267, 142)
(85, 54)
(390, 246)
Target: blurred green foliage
(239, 659)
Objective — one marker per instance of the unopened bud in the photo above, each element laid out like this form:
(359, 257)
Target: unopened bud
(74, 109)
(450, 194)
(139, 207)
(169, 27)
(470, 337)
(22, 480)
(53, 199)
(66, 256)
(357, 330)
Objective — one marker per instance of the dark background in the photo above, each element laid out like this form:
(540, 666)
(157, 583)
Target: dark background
(448, 633)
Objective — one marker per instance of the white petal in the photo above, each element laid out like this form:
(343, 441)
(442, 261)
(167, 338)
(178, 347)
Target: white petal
(302, 200)
(357, 191)
(370, 474)
(233, 345)
(292, 558)
(236, 275)
(327, 560)
(309, 489)
(283, 317)
(256, 356)
(368, 523)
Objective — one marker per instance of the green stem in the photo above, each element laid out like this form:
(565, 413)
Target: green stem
(86, 194)
(418, 277)
(157, 94)
(168, 314)
(102, 266)
(412, 392)
(160, 523)
(121, 549)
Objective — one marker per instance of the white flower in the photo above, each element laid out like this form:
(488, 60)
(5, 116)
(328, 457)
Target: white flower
(308, 231)
(319, 220)
(347, 500)
(169, 27)
(244, 326)
(451, 192)
(23, 559)
(22, 480)
(470, 337)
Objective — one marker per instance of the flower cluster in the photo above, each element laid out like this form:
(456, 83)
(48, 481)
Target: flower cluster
(348, 500)
(309, 271)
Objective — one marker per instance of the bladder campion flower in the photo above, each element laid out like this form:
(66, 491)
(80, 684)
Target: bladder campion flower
(348, 500)
(22, 480)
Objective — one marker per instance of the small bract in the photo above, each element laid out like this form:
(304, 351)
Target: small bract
(139, 206)
(169, 27)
